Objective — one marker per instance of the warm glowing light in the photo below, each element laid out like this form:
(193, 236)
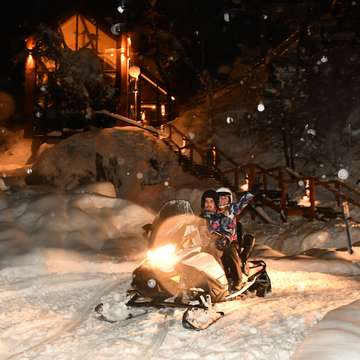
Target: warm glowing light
(163, 257)
(305, 200)
(245, 187)
(129, 41)
(163, 111)
(30, 43)
(30, 62)
(134, 71)
(122, 58)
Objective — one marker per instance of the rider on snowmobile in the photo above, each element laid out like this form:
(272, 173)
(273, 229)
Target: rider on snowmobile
(218, 223)
(229, 209)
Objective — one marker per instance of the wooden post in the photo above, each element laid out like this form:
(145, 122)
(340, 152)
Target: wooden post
(283, 195)
(30, 86)
(265, 182)
(158, 107)
(251, 175)
(77, 33)
(312, 198)
(138, 99)
(191, 153)
(122, 74)
(338, 193)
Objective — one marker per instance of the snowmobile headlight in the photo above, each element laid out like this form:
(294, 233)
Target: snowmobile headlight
(164, 258)
(151, 283)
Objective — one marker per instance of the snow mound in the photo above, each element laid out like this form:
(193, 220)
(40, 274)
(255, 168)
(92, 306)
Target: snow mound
(92, 221)
(337, 335)
(141, 167)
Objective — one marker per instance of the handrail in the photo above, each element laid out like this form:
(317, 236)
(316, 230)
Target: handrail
(252, 170)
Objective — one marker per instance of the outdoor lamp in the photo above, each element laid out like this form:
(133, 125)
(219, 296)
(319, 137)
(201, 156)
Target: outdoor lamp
(134, 71)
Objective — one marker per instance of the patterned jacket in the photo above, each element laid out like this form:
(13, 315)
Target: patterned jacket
(224, 221)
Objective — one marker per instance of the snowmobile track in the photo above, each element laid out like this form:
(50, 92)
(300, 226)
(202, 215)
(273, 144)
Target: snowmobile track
(76, 320)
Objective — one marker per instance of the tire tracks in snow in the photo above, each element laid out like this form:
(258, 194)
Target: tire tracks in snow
(76, 320)
(159, 338)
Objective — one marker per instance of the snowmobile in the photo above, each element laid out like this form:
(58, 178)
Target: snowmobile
(177, 273)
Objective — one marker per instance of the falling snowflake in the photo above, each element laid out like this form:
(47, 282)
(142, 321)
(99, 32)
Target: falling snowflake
(166, 183)
(139, 175)
(230, 120)
(311, 132)
(127, 173)
(301, 183)
(323, 176)
(38, 114)
(43, 88)
(302, 139)
(265, 17)
(261, 107)
(324, 59)
(191, 135)
(343, 174)
(29, 171)
(227, 17)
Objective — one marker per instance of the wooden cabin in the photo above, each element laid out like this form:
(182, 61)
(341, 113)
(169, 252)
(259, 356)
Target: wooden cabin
(143, 97)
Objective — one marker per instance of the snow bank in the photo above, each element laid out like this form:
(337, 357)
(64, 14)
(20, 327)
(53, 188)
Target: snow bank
(141, 167)
(336, 336)
(92, 221)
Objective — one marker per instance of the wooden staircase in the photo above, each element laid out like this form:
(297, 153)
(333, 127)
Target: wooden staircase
(277, 183)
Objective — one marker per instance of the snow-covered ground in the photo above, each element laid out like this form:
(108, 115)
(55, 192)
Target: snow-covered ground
(63, 254)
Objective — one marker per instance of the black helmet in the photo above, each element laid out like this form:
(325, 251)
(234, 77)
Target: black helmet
(209, 194)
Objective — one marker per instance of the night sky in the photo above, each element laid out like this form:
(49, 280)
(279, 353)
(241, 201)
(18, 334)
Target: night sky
(219, 40)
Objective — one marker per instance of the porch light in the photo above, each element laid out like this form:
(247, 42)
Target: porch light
(30, 43)
(134, 71)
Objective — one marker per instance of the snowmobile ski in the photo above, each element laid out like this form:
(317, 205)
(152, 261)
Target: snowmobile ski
(102, 317)
(201, 318)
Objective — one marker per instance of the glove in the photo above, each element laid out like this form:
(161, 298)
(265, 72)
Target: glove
(222, 243)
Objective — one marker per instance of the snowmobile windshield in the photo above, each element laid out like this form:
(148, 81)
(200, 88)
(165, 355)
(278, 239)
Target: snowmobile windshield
(176, 224)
